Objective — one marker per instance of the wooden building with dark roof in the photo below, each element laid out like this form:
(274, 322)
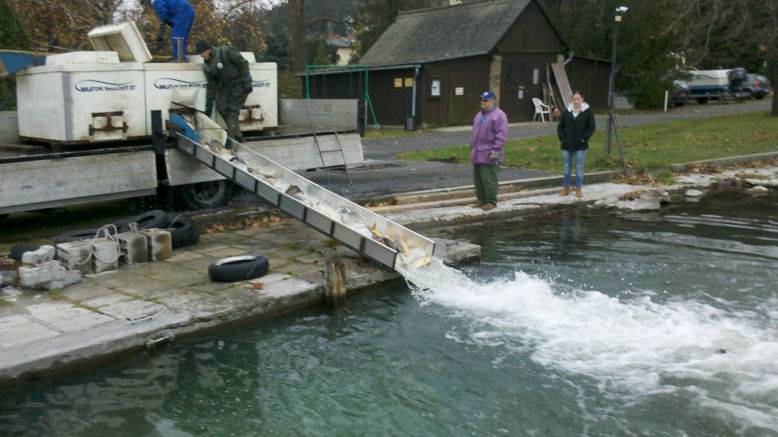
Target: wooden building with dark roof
(432, 64)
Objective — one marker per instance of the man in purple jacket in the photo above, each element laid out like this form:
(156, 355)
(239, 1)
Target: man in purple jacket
(490, 131)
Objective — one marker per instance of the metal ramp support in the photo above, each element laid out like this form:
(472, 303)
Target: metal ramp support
(325, 211)
(339, 148)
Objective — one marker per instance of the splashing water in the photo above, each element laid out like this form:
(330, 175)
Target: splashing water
(631, 349)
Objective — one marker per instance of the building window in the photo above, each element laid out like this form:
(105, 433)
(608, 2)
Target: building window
(535, 76)
(398, 82)
(408, 82)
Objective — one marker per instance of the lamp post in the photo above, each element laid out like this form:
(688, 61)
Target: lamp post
(612, 128)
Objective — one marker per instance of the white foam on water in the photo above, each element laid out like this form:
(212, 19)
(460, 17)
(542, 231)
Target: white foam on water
(630, 348)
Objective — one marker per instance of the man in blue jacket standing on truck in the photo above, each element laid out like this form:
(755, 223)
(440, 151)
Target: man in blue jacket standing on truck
(179, 16)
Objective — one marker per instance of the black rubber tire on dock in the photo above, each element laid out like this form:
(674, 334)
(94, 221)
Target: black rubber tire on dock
(183, 231)
(154, 219)
(238, 268)
(20, 249)
(78, 234)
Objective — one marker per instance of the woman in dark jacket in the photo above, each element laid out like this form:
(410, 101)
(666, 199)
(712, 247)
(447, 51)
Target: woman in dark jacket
(575, 128)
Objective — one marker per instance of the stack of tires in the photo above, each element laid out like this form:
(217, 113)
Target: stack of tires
(182, 230)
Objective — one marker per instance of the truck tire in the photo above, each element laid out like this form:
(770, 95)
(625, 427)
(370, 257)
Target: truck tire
(154, 219)
(78, 234)
(702, 100)
(238, 268)
(183, 232)
(20, 249)
(206, 195)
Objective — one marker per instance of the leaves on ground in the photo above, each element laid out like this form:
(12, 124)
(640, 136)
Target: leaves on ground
(632, 195)
(241, 224)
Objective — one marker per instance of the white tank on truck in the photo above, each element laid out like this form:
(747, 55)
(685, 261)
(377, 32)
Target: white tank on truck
(108, 95)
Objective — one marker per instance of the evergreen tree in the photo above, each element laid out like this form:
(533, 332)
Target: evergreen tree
(12, 36)
(12, 32)
(321, 55)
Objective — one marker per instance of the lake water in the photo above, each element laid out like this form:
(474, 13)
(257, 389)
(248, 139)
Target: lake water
(579, 324)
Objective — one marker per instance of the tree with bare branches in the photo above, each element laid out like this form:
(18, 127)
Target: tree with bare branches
(55, 25)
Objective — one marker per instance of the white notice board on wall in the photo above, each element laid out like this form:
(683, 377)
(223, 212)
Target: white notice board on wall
(435, 88)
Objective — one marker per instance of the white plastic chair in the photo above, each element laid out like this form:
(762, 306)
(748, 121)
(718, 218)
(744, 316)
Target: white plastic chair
(541, 110)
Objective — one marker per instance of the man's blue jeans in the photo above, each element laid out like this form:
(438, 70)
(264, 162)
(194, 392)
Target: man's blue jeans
(567, 158)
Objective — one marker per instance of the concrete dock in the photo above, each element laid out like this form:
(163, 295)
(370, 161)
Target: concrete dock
(147, 304)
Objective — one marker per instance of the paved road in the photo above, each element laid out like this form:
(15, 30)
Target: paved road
(381, 178)
(389, 148)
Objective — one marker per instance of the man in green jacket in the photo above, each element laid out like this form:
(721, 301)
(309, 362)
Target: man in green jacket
(229, 83)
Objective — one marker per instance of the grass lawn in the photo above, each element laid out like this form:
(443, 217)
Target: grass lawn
(651, 148)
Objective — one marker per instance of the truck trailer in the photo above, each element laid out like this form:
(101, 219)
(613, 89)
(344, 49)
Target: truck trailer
(88, 128)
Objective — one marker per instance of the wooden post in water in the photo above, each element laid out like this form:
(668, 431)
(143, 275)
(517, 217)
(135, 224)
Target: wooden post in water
(334, 281)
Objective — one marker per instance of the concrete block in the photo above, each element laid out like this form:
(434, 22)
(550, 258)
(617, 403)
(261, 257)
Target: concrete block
(160, 244)
(48, 276)
(42, 255)
(76, 255)
(105, 256)
(133, 247)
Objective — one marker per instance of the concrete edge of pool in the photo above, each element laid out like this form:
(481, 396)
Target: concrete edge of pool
(138, 308)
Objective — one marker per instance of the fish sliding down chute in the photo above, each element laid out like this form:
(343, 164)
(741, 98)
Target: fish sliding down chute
(362, 230)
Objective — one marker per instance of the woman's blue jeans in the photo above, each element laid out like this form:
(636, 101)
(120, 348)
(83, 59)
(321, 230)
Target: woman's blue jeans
(567, 158)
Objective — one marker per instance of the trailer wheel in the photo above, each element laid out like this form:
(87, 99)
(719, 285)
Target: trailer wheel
(238, 268)
(206, 194)
(702, 100)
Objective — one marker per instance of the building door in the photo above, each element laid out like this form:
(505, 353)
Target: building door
(463, 96)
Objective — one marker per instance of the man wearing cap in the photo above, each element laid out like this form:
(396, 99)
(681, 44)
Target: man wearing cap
(229, 84)
(179, 16)
(490, 132)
